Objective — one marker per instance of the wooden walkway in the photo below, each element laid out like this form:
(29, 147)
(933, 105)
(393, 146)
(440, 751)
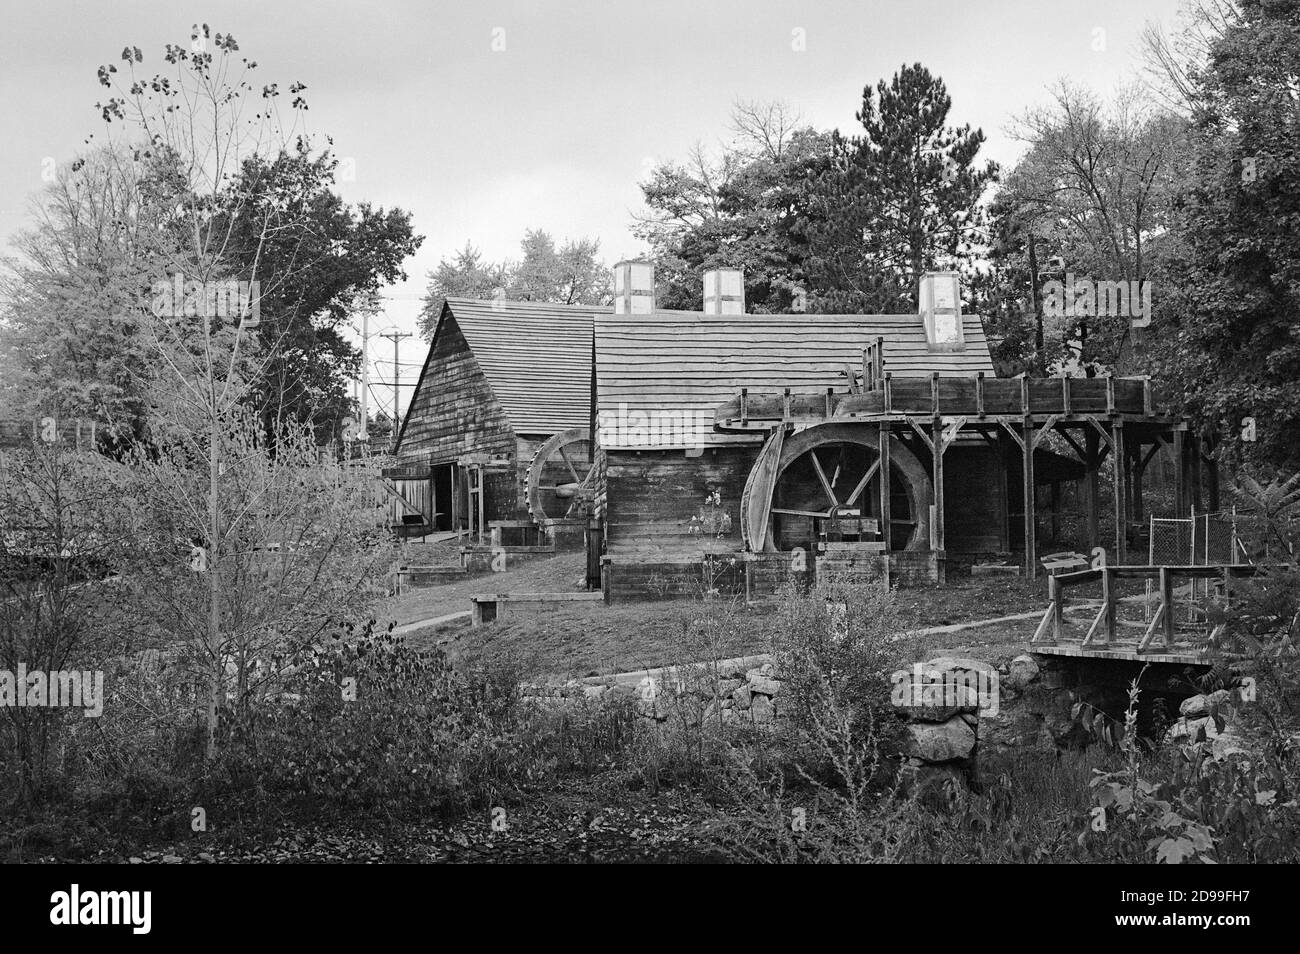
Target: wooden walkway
(1161, 638)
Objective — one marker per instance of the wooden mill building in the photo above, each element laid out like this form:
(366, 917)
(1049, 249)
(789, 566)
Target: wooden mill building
(733, 449)
(501, 379)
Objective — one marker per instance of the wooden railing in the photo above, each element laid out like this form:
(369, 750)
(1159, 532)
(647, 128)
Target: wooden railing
(1102, 632)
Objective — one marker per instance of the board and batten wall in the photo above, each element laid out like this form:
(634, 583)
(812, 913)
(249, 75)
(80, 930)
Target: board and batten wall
(455, 413)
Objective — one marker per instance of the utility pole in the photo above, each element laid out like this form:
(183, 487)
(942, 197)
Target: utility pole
(395, 337)
(364, 432)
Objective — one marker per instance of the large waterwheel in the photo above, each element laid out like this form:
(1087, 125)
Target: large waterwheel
(562, 478)
(825, 479)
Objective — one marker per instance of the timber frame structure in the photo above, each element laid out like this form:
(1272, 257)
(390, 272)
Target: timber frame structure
(728, 450)
(1095, 417)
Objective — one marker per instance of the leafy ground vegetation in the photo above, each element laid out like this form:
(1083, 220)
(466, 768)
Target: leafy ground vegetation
(373, 750)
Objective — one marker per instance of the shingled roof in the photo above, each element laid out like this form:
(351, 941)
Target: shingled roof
(681, 362)
(536, 357)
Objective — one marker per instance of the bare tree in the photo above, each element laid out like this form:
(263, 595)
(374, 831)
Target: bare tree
(1169, 62)
(763, 130)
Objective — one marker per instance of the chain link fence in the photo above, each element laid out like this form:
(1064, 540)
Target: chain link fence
(1202, 539)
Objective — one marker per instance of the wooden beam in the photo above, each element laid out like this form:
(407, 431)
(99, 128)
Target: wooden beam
(1118, 459)
(1030, 507)
(886, 531)
(862, 484)
(1108, 603)
(1044, 624)
(1157, 622)
(821, 476)
(1083, 454)
(937, 447)
(1010, 429)
(1046, 428)
(1180, 475)
(1167, 605)
(920, 432)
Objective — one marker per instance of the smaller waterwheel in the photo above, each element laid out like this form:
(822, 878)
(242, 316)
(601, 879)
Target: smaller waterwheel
(561, 478)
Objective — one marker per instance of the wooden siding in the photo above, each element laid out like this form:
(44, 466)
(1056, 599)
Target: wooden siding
(652, 496)
(687, 363)
(454, 410)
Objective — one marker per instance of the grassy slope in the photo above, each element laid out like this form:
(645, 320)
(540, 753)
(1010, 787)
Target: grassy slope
(583, 639)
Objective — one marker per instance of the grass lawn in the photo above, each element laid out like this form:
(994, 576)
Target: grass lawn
(575, 640)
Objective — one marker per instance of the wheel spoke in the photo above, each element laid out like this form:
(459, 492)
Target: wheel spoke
(569, 464)
(862, 484)
(821, 475)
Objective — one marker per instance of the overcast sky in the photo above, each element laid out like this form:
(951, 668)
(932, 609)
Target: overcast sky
(554, 130)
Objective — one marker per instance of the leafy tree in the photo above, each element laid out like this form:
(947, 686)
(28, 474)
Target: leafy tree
(1226, 328)
(744, 208)
(315, 256)
(70, 334)
(572, 274)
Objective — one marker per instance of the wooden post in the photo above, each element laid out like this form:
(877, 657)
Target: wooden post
(886, 533)
(936, 524)
(1180, 475)
(1056, 593)
(1027, 435)
(866, 370)
(1139, 472)
(1065, 394)
(744, 407)
(1091, 443)
(1120, 488)
(979, 393)
(1211, 477)
(880, 358)
(934, 395)
(1194, 450)
(1108, 600)
(595, 544)
(889, 393)
(1167, 602)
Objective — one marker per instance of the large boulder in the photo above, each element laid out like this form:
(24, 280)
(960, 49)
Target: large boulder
(932, 702)
(1202, 705)
(940, 742)
(761, 710)
(1022, 671)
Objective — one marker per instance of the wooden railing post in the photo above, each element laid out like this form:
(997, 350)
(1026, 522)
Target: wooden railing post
(1056, 592)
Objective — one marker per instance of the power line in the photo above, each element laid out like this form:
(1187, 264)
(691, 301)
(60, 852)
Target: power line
(395, 337)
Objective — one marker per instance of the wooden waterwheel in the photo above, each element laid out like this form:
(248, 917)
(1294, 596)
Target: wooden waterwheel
(561, 478)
